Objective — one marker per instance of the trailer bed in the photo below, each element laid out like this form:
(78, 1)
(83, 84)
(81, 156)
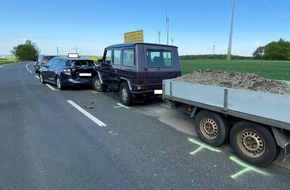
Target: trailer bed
(266, 108)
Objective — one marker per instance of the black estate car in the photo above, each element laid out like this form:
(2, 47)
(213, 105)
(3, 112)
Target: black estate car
(67, 72)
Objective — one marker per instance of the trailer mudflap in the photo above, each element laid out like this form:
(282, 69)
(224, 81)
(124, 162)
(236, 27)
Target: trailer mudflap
(283, 141)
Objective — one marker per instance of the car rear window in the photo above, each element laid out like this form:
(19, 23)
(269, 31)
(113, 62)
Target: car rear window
(78, 63)
(159, 58)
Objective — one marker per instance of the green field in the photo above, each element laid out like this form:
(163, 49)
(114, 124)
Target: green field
(5, 61)
(279, 70)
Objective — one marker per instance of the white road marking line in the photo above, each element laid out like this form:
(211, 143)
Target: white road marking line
(50, 87)
(28, 68)
(90, 116)
(36, 76)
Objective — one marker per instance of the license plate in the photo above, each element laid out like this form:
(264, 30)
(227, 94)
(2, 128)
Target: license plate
(85, 74)
(157, 91)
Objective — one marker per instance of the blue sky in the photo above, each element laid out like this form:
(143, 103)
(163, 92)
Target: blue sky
(196, 26)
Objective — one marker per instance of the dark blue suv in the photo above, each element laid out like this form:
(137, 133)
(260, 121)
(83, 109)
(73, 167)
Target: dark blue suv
(67, 72)
(136, 70)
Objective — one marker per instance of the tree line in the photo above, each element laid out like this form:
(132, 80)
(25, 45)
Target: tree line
(26, 52)
(279, 50)
(211, 56)
(275, 50)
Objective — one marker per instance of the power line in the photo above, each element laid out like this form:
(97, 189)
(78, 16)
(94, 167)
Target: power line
(76, 49)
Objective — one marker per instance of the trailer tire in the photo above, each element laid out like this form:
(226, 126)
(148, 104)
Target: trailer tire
(254, 143)
(211, 128)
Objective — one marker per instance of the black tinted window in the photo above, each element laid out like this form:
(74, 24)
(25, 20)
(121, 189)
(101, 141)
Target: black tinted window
(81, 63)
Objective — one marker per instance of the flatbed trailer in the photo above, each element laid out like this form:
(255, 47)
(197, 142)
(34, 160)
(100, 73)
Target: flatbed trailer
(256, 123)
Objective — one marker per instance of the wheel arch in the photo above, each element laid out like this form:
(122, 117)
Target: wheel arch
(124, 80)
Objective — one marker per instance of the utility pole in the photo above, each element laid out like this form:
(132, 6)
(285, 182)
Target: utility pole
(231, 31)
(172, 40)
(167, 28)
(76, 48)
(213, 49)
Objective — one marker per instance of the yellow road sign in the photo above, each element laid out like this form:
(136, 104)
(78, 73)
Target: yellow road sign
(136, 36)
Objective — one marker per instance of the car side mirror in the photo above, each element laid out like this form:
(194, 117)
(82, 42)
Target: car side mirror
(100, 61)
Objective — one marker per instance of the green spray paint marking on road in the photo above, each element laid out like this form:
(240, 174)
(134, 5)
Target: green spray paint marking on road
(248, 168)
(119, 105)
(202, 146)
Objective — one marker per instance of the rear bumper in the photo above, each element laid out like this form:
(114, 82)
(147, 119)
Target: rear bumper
(74, 82)
(146, 93)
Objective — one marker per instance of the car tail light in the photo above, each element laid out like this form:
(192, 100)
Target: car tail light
(142, 87)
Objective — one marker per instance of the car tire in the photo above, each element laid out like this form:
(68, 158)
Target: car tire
(59, 84)
(97, 85)
(41, 78)
(125, 94)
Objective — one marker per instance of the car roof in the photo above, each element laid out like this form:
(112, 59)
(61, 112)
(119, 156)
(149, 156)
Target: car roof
(43, 55)
(134, 44)
(73, 58)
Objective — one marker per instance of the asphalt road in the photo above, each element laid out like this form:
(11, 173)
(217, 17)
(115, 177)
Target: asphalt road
(80, 139)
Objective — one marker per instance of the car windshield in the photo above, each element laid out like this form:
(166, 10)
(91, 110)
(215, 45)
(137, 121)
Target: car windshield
(77, 63)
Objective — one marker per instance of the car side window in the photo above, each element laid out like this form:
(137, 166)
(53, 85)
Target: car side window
(108, 56)
(128, 57)
(61, 63)
(49, 63)
(117, 57)
(55, 63)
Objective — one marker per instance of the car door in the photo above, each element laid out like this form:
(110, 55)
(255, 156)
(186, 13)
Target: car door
(52, 69)
(128, 68)
(159, 66)
(114, 71)
(45, 70)
(106, 67)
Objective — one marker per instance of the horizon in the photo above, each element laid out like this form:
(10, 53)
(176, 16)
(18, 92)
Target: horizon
(195, 27)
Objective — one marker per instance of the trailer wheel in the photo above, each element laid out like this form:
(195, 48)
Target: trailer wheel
(254, 143)
(97, 85)
(211, 128)
(125, 94)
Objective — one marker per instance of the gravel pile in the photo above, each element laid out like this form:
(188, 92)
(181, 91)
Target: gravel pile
(236, 80)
